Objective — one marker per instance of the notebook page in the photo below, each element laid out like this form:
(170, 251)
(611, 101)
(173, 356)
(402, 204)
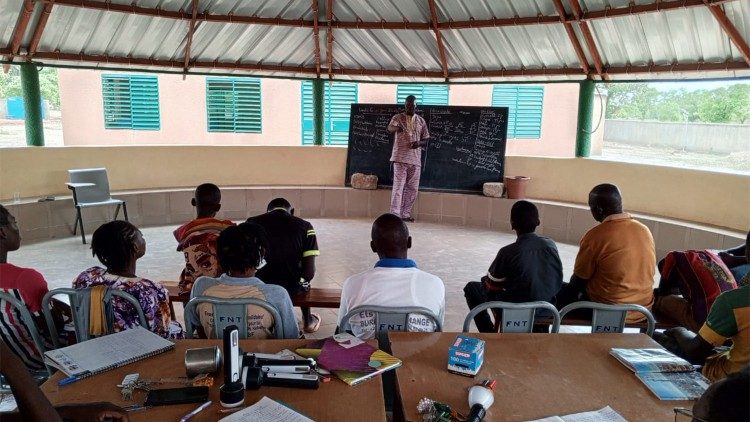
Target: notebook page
(266, 410)
(107, 351)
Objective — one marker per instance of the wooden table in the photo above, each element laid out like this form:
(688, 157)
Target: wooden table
(538, 375)
(333, 401)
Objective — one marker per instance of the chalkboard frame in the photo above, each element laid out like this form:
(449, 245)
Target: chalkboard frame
(424, 109)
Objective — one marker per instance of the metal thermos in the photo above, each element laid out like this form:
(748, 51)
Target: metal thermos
(204, 360)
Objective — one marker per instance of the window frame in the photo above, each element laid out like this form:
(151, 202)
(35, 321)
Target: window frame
(131, 102)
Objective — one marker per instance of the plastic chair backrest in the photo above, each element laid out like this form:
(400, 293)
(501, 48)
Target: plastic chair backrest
(80, 305)
(515, 317)
(608, 318)
(22, 322)
(231, 312)
(390, 319)
(91, 194)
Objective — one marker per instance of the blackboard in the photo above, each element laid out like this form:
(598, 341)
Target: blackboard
(466, 149)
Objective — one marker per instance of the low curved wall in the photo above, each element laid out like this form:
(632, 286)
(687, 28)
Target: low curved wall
(711, 198)
(562, 222)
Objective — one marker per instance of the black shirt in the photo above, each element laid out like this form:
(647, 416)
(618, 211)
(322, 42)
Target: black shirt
(290, 239)
(531, 268)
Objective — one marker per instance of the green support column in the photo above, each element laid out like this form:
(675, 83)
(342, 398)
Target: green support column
(318, 110)
(32, 100)
(585, 115)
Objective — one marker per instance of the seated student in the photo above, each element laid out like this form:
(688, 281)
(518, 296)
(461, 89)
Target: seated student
(118, 245)
(241, 251)
(616, 260)
(527, 270)
(725, 400)
(25, 284)
(738, 263)
(395, 281)
(34, 406)
(690, 282)
(197, 238)
(729, 318)
(292, 248)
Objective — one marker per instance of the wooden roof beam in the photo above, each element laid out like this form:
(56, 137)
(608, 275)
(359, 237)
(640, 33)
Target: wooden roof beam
(329, 36)
(730, 30)
(128, 61)
(316, 36)
(657, 6)
(191, 31)
(20, 30)
(438, 38)
(572, 36)
(588, 38)
(40, 25)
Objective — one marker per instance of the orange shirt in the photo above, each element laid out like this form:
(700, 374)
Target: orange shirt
(618, 258)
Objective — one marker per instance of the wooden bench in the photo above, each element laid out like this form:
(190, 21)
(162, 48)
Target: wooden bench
(316, 297)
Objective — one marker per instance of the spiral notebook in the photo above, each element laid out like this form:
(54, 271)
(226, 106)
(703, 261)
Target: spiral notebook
(112, 351)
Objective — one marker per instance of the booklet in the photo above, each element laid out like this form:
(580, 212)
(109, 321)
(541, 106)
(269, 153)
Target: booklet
(112, 351)
(668, 376)
(349, 358)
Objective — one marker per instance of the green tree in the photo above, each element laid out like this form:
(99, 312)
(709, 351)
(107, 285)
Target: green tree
(10, 85)
(639, 101)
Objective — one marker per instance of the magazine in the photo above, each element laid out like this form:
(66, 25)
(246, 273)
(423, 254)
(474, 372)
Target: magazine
(668, 376)
(349, 358)
(606, 414)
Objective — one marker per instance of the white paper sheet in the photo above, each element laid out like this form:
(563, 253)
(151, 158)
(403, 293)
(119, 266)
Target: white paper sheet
(266, 410)
(606, 414)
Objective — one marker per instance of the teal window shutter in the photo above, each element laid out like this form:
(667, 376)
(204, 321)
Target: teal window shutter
(233, 105)
(338, 98)
(426, 94)
(525, 104)
(131, 102)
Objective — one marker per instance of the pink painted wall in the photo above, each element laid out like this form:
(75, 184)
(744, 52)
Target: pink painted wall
(182, 107)
(183, 114)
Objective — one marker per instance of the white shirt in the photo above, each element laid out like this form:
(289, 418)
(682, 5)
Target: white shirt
(395, 283)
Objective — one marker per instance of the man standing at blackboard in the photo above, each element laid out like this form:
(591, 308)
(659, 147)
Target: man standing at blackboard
(411, 135)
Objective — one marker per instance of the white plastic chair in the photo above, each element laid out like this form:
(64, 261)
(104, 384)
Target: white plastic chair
(608, 318)
(91, 189)
(21, 324)
(231, 312)
(390, 319)
(515, 317)
(80, 306)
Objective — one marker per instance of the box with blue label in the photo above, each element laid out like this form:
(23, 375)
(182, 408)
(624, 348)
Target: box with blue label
(466, 355)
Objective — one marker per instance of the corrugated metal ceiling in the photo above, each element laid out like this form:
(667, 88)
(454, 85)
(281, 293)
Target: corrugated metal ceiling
(544, 51)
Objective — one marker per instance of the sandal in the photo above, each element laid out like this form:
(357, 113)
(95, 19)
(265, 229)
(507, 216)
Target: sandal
(311, 328)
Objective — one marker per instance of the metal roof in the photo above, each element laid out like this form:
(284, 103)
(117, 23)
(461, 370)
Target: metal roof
(388, 40)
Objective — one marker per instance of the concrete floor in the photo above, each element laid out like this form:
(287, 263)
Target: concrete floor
(455, 254)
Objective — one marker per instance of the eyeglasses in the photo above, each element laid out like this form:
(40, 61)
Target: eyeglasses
(682, 414)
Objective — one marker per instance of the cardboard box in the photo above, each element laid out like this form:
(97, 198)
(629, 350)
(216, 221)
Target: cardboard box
(466, 355)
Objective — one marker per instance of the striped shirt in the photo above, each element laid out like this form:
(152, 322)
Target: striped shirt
(413, 129)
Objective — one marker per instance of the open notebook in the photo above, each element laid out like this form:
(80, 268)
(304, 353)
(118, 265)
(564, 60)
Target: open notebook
(101, 354)
(668, 376)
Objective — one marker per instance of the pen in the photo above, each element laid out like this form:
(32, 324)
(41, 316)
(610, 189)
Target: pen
(196, 411)
(68, 380)
(73, 378)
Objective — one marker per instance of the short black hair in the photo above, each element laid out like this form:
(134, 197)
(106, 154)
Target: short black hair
(410, 98)
(207, 194)
(113, 243)
(241, 247)
(524, 216)
(4, 216)
(279, 203)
